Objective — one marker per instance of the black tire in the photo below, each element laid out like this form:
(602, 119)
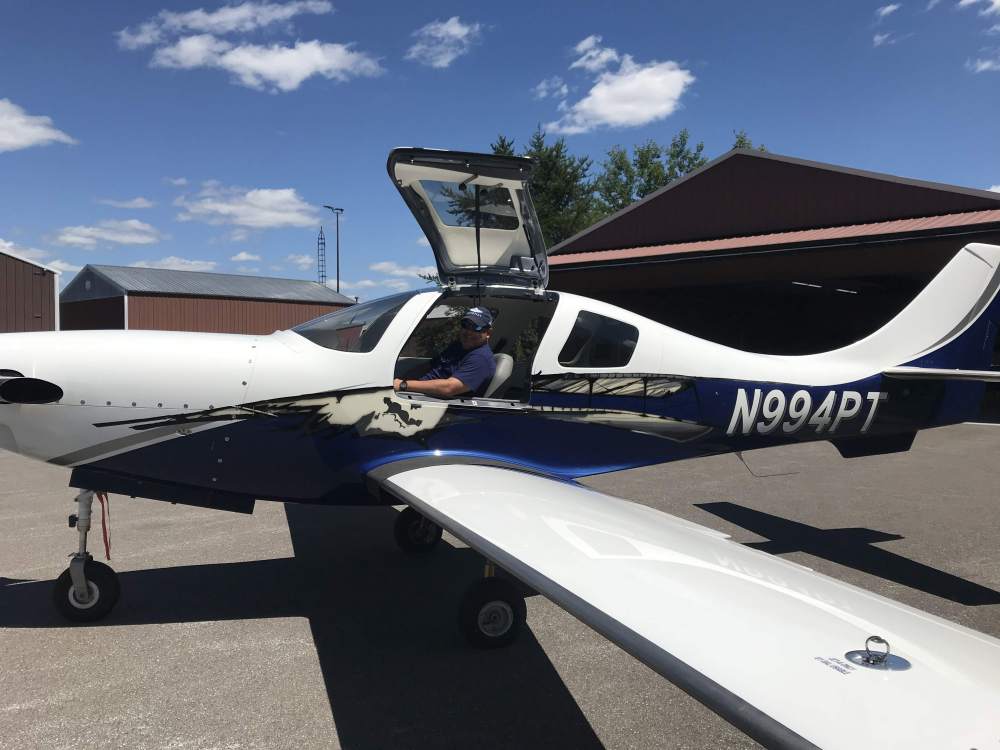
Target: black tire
(104, 589)
(492, 613)
(415, 534)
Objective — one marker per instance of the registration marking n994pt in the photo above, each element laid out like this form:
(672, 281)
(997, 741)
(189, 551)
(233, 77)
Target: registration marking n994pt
(780, 414)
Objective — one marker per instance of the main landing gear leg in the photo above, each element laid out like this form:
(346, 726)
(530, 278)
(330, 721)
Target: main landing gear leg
(87, 590)
(415, 534)
(492, 613)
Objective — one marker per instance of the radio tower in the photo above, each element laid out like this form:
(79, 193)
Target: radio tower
(321, 256)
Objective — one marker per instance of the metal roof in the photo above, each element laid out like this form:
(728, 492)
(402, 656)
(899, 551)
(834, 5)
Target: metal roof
(130, 280)
(748, 192)
(826, 234)
(29, 261)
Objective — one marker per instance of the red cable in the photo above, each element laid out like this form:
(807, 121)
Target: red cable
(105, 524)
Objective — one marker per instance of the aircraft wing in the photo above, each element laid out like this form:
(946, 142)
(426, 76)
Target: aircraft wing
(762, 641)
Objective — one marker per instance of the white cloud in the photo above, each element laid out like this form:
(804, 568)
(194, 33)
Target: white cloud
(190, 40)
(127, 232)
(887, 10)
(20, 130)
(274, 68)
(391, 268)
(992, 6)
(63, 266)
(201, 50)
(262, 208)
(932, 4)
(285, 68)
(244, 18)
(302, 262)
(31, 253)
(396, 278)
(423, 242)
(554, 87)
(174, 263)
(995, 29)
(176, 181)
(244, 257)
(984, 65)
(637, 94)
(139, 202)
(380, 285)
(440, 43)
(594, 57)
(879, 39)
(994, 188)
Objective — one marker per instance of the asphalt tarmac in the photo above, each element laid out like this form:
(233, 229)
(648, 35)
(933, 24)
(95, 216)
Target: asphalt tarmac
(303, 627)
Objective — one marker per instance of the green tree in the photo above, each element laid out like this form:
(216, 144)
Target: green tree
(504, 146)
(562, 192)
(651, 173)
(624, 180)
(742, 140)
(681, 158)
(560, 186)
(616, 184)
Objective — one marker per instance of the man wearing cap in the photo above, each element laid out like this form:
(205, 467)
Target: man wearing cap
(465, 367)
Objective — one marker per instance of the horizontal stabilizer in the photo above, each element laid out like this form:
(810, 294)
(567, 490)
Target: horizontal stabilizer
(773, 647)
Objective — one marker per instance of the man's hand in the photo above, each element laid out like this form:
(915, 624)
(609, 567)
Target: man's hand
(396, 382)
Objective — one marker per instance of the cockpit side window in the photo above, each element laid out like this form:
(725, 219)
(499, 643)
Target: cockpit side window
(519, 323)
(358, 328)
(598, 341)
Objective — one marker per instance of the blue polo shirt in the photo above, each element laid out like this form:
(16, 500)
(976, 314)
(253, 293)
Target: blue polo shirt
(474, 368)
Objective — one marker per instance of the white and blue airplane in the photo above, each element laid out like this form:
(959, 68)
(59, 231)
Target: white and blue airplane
(791, 657)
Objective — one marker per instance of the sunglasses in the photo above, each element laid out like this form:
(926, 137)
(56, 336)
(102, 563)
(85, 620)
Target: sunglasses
(468, 325)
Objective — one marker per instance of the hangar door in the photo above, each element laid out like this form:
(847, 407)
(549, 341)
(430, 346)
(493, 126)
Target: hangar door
(27, 297)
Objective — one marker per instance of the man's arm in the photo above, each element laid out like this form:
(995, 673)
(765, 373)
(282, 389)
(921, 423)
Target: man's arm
(441, 388)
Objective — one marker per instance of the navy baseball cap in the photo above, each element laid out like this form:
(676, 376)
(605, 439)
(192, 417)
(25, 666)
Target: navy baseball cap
(480, 317)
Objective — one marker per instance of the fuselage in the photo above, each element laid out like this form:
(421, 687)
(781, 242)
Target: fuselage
(283, 417)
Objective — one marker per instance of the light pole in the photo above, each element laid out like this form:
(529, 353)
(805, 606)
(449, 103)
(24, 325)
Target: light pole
(337, 212)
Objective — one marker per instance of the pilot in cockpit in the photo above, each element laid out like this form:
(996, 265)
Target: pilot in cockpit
(464, 368)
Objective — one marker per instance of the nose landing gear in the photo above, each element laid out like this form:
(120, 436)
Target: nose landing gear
(88, 590)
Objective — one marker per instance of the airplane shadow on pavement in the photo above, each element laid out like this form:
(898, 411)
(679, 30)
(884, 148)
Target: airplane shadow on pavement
(853, 549)
(397, 671)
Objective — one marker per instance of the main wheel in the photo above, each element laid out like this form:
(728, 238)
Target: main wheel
(492, 613)
(415, 534)
(104, 588)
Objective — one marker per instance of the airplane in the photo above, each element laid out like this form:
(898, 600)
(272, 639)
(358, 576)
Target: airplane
(309, 415)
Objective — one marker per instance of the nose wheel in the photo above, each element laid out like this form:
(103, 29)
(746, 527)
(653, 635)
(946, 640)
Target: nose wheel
(103, 590)
(415, 534)
(87, 590)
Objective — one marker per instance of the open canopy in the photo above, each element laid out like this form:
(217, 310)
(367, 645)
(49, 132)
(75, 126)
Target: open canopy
(477, 214)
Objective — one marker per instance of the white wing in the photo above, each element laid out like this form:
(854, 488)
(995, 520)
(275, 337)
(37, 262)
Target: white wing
(762, 641)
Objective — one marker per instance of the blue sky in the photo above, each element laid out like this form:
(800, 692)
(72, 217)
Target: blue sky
(207, 136)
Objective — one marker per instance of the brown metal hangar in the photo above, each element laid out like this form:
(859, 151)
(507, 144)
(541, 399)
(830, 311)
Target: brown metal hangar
(119, 297)
(776, 254)
(28, 294)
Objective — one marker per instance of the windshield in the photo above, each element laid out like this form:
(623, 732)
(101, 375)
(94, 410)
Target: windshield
(357, 328)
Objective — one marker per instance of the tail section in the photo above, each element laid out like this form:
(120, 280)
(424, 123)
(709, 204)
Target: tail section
(950, 325)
